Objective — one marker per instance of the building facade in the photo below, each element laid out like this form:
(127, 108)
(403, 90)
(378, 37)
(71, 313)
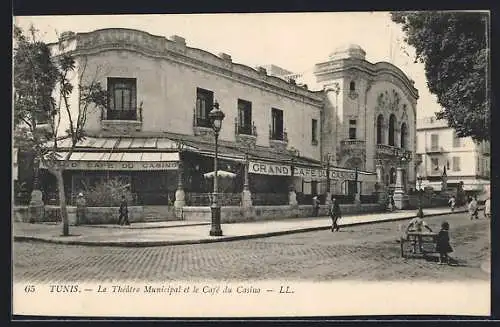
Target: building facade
(439, 150)
(156, 135)
(369, 116)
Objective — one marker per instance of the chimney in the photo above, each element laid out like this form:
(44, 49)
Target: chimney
(262, 70)
(225, 56)
(178, 39)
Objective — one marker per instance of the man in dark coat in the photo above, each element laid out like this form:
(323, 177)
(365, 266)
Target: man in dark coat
(123, 219)
(335, 214)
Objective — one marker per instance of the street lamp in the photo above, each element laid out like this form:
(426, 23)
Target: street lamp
(216, 117)
(420, 213)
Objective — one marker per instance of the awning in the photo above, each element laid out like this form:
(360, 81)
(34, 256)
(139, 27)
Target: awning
(119, 161)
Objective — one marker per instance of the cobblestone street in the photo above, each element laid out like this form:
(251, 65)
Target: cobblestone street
(367, 252)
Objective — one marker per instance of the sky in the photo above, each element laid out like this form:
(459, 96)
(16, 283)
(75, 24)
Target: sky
(294, 41)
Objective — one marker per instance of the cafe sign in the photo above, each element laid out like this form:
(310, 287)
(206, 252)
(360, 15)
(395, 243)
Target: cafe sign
(320, 174)
(262, 168)
(120, 165)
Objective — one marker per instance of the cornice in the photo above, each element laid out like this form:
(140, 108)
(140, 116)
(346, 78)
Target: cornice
(339, 67)
(121, 39)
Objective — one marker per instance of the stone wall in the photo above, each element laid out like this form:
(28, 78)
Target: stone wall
(259, 213)
(94, 215)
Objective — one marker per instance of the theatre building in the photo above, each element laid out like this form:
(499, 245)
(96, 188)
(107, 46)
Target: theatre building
(156, 134)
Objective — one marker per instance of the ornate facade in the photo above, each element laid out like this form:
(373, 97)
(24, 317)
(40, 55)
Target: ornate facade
(369, 116)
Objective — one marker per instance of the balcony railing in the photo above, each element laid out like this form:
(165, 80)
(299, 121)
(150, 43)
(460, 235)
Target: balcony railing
(434, 149)
(247, 129)
(133, 115)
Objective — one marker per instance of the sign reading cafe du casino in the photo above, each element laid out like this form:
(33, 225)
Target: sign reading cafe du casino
(286, 170)
(115, 165)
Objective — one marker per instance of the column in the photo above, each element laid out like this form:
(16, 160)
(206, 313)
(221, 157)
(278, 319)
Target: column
(179, 193)
(381, 193)
(400, 197)
(246, 199)
(292, 196)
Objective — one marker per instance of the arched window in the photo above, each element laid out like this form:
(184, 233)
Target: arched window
(404, 133)
(380, 129)
(392, 126)
(392, 176)
(352, 86)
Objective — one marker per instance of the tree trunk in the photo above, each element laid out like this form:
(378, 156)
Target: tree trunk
(62, 202)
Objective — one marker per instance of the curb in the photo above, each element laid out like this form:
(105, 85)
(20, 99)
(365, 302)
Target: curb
(146, 227)
(206, 240)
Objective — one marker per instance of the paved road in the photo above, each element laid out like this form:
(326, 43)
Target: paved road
(367, 252)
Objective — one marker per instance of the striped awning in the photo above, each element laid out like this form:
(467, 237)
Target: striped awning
(121, 160)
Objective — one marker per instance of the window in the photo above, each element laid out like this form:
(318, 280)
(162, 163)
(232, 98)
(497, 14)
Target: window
(392, 127)
(352, 129)
(434, 141)
(204, 103)
(457, 141)
(352, 86)
(244, 117)
(122, 99)
(456, 163)
(277, 124)
(314, 131)
(380, 129)
(404, 133)
(435, 164)
(448, 164)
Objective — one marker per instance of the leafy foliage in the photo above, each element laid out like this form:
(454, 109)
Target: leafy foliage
(454, 48)
(108, 193)
(44, 82)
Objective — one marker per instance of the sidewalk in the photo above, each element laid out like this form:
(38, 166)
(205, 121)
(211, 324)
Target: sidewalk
(187, 232)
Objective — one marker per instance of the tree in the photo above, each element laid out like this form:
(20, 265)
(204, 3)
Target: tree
(454, 47)
(44, 82)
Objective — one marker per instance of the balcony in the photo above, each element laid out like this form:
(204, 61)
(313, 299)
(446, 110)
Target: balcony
(121, 121)
(245, 134)
(434, 149)
(202, 126)
(384, 150)
(278, 140)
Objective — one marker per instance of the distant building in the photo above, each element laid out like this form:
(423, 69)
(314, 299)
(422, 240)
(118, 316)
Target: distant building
(438, 147)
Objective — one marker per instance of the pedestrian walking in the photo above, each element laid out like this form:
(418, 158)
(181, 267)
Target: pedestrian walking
(443, 246)
(487, 208)
(473, 210)
(81, 205)
(452, 203)
(315, 204)
(393, 204)
(335, 214)
(123, 218)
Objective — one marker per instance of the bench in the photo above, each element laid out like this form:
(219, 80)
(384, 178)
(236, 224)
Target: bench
(409, 243)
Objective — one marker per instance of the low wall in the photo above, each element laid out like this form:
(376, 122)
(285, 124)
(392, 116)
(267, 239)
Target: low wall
(94, 215)
(109, 215)
(427, 201)
(259, 213)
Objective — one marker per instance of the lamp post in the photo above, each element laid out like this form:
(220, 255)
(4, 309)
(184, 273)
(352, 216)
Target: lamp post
(420, 212)
(216, 116)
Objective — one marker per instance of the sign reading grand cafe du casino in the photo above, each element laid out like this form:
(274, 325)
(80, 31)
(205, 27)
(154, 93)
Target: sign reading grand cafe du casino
(262, 168)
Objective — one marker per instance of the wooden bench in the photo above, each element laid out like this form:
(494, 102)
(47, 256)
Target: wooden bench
(409, 243)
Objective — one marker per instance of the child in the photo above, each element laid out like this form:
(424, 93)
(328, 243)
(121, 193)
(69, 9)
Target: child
(443, 246)
(451, 203)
